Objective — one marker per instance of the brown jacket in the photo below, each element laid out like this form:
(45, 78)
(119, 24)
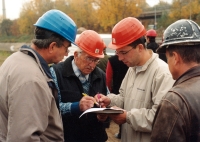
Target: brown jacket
(178, 116)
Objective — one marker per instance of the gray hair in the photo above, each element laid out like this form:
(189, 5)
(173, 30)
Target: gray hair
(43, 38)
(188, 53)
(78, 50)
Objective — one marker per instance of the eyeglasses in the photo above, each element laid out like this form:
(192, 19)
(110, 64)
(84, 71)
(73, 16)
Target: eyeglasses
(122, 52)
(90, 60)
(125, 52)
(67, 48)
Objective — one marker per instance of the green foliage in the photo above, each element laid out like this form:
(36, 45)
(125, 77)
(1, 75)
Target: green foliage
(4, 55)
(98, 15)
(182, 9)
(109, 12)
(12, 39)
(30, 13)
(5, 27)
(83, 13)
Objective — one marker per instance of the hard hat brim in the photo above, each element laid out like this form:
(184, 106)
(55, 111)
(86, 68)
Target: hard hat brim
(113, 46)
(162, 47)
(94, 55)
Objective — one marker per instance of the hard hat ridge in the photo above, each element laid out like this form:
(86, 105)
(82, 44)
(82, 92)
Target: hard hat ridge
(91, 42)
(64, 25)
(181, 32)
(126, 31)
(151, 33)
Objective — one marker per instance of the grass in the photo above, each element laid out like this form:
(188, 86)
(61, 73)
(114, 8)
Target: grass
(15, 39)
(4, 55)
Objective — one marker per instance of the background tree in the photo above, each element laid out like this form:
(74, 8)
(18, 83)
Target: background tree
(164, 21)
(109, 12)
(1, 18)
(176, 9)
(15, 28)
(5, 27)
(100, 15)
(30, 12)
(184, 9)
(84, 13)
(193, 10)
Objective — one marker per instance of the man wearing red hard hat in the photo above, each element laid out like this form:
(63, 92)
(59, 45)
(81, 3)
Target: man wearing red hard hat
(151, 43)
(76, 76)
(151, 40)
(147, 80)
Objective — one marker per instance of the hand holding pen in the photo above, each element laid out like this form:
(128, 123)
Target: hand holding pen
(86, 102)
(103, 100)
(99, 97)
(84, 94)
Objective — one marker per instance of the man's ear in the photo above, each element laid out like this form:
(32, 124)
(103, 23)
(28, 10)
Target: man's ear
(52, 47)
(75, 55)
(140, 47)
(177, 58)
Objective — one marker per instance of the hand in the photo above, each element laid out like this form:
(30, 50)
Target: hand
(86, 102)
(119, 118)
(104, 101)
(102, 117)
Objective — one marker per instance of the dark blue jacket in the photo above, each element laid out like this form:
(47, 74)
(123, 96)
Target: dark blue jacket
(87, 128)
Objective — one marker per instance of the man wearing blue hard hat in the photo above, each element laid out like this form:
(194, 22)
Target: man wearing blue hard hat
(28, 109)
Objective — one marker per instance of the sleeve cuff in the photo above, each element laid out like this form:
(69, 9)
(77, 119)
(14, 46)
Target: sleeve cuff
(127, 117)
(75, 108)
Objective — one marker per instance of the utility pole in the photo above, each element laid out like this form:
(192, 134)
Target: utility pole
(155, 23)
(4, 9)
(190, 9)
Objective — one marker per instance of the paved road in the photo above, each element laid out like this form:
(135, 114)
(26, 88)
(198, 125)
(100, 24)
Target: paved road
(114, 128)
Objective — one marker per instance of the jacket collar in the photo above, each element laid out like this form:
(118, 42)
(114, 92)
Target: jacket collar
(193, 72)
(42, 65)
(77, 71)
(39, 59)
(145, 66)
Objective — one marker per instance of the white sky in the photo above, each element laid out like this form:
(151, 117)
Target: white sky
(154, 2)
(13, 7)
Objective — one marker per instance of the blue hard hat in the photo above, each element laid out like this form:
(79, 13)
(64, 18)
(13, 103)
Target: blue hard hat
(58, 22)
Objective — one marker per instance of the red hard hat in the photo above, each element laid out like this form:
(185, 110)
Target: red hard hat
(151, 33)
(91, 42)
(125, 32)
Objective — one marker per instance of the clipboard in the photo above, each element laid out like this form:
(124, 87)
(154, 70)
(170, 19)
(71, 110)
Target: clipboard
(103, 111)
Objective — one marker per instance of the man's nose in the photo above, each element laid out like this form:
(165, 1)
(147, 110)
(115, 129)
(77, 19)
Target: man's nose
(120, 57)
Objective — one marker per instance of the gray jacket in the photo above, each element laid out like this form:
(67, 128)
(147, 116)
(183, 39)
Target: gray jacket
(28, 110)
(140, 94)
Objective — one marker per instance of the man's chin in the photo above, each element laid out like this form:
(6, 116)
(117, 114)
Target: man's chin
(88, 72)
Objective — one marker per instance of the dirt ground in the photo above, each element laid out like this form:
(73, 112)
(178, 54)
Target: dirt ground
(111, 131)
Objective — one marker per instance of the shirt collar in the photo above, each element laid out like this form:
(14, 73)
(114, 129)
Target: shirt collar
(77, 71)
(145, 66)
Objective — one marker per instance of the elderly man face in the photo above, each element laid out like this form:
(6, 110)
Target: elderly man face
(85, 62)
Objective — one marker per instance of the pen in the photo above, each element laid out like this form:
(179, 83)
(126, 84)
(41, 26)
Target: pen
(84, 94)
(99, 96)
